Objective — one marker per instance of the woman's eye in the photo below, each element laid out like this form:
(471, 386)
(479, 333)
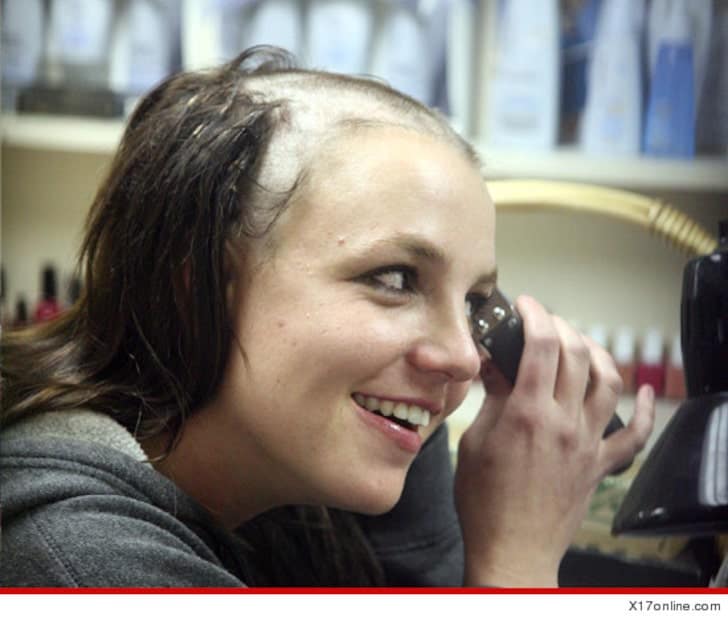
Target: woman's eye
(395, 279)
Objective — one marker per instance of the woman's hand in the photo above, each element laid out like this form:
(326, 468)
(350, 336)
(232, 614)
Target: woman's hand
(531, 460)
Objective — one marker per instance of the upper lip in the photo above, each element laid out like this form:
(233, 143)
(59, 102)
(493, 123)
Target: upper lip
(432, 407)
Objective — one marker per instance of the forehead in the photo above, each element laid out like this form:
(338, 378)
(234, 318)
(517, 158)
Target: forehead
(386, 159)
(317, 107)
(372, 183)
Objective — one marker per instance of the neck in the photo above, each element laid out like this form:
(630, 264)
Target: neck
(222, 475)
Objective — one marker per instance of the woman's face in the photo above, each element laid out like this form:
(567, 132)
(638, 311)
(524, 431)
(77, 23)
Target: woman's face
(356, 306)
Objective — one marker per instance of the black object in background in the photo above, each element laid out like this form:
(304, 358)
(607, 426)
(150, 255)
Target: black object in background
(682, 488)
(693, 567)
(71, 101)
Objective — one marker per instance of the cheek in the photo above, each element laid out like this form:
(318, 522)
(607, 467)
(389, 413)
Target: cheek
(357, 343)
(456, 394)
(322, 344)
(350, 345)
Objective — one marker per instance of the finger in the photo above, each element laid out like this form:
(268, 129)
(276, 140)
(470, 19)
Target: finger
(574, 367)
(622, 446)
(540, 361)
(494, 382)
(497, 389)
(605, 386)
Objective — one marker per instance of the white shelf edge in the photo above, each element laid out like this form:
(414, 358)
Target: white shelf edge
(702, 174)
(61, 133)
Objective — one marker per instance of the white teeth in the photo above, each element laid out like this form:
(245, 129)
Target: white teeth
(401, 411)
(417, 415)
(386, 407)
(411, 413)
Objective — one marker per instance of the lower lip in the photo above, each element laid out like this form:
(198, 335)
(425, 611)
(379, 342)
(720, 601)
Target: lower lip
(406, 439)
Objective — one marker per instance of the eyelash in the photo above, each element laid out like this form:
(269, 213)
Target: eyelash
(474, 301)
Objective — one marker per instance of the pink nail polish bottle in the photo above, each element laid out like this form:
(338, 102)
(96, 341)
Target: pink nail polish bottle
(48, 306)
(675, 372)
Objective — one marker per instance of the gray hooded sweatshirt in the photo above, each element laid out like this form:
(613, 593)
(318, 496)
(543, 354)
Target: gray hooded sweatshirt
(82, 507)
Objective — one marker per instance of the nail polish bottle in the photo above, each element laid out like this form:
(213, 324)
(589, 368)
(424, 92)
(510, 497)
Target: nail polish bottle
(651, 367)
(21, 313)
(48, 307)
(624, 347)
(675, 372)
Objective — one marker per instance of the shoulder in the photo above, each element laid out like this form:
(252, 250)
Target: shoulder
(79, 512)
(107, 540)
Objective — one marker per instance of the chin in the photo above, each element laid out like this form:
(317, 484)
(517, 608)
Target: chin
(372, 499)
(376, 508)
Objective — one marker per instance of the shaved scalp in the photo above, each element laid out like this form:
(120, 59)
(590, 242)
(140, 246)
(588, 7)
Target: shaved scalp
(315, 108)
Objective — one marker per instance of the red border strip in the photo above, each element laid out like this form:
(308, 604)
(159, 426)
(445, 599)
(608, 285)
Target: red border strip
(364, 591)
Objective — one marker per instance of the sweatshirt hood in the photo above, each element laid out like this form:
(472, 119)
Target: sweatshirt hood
(56, 456)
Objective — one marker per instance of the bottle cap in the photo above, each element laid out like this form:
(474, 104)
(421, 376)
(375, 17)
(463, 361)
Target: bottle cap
(49, 282)
(623, 348)
(21, 311)
(652, 347)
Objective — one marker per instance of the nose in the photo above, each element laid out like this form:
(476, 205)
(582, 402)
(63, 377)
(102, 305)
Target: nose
(447, 348)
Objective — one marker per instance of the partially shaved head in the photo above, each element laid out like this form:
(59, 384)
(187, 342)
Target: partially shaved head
(209, 159)
(315, 108)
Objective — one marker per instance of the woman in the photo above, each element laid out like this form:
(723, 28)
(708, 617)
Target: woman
(274, 326)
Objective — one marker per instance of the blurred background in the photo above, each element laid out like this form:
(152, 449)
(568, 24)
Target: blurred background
(629, 94)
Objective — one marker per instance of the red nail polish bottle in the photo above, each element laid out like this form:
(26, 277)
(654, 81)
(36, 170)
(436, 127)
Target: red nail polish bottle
(48, 307)
(675, 373)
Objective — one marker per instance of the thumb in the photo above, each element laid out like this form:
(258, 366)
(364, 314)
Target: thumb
(621, 447)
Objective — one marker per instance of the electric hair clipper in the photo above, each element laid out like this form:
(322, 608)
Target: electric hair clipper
(498, 328)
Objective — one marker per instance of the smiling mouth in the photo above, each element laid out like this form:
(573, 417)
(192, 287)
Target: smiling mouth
(408, 416)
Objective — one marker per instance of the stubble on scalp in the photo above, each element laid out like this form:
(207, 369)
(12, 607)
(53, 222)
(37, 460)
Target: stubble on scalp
(316, 109)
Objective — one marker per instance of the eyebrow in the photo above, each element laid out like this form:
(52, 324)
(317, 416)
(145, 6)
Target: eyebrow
(423, 249)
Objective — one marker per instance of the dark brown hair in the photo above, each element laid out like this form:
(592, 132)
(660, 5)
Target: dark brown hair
(148, 339)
